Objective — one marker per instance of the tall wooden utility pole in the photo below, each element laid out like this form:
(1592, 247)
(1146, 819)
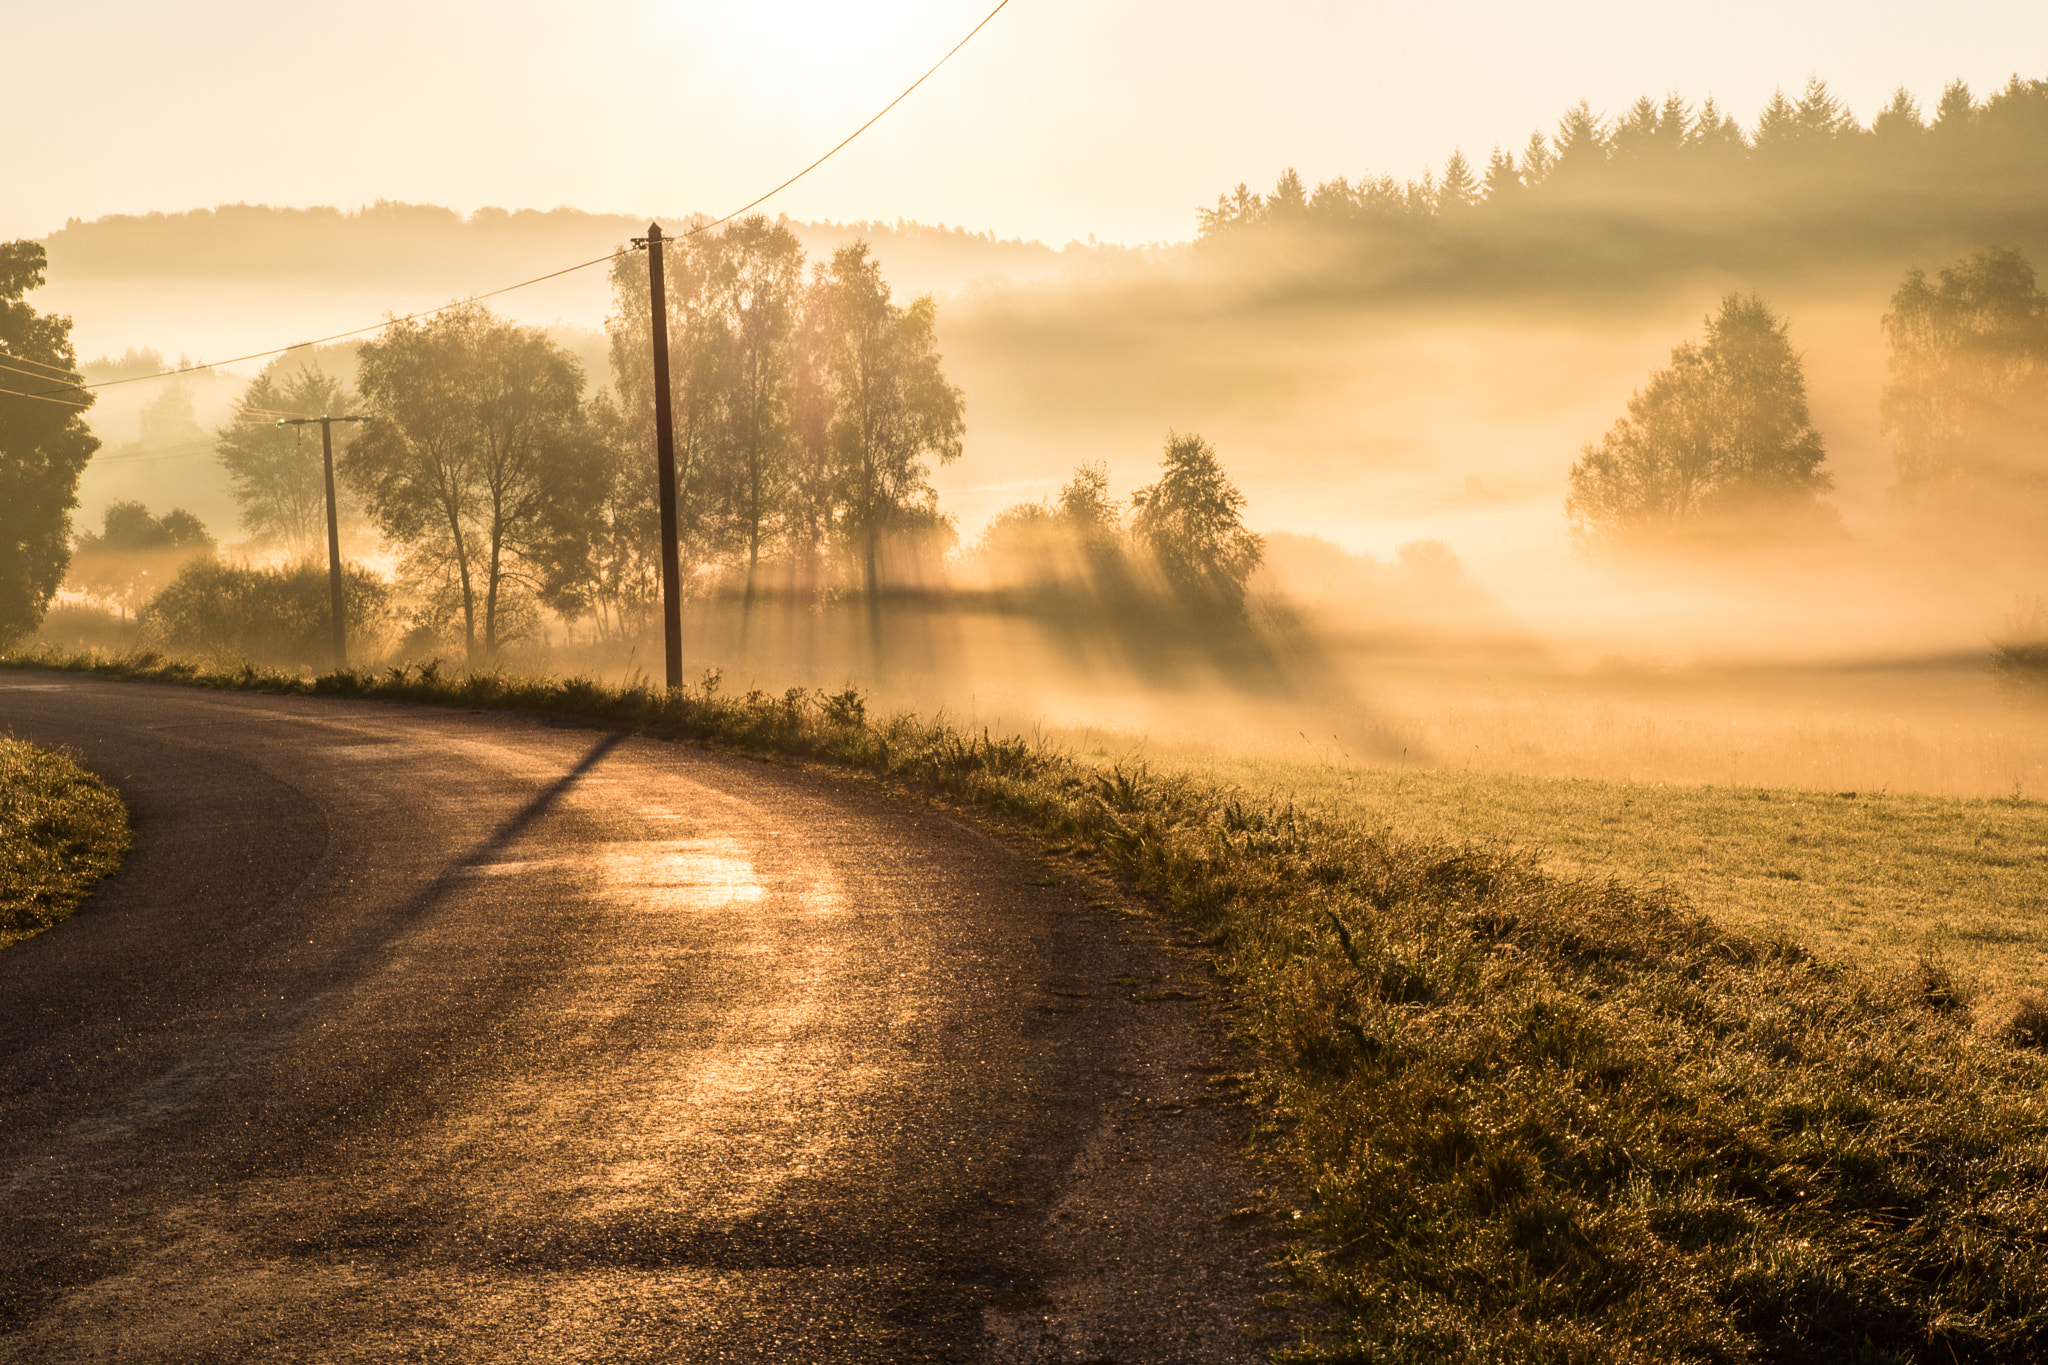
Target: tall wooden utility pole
(335, 604)
(665, 461)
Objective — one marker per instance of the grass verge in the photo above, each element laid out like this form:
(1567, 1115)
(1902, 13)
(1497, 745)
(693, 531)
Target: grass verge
(1876, 877)
(1543, 1118)
(61, 830)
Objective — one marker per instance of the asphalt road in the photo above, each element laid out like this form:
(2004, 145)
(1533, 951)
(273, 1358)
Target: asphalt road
(415, 1034)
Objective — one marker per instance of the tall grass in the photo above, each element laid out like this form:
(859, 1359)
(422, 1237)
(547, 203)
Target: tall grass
(61, 830)
(1539, 1118)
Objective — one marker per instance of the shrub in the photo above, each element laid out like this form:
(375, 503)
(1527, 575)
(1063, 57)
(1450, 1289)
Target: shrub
(277, 616)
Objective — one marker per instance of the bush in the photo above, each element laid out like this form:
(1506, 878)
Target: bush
(263, 615)
(2019, 652)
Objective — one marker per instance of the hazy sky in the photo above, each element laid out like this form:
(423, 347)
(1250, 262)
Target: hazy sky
(1116, 117)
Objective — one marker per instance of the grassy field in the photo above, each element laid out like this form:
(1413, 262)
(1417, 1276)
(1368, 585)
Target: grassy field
(1874, 878)
(61, 830)
(1537, 1116)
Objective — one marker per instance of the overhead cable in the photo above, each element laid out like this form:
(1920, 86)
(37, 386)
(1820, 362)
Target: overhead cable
(584, 265)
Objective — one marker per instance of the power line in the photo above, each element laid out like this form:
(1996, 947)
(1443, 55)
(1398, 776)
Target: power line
(57, 370)
(45, 397)
(585, 265)
(858, 131)
(161, 453)
(32, 375)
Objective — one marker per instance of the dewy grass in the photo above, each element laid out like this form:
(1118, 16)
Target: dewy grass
(61, 830)
(1874, 877)
(1542, 1118)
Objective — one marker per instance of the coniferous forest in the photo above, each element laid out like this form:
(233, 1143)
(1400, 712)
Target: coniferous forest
(1668, 187)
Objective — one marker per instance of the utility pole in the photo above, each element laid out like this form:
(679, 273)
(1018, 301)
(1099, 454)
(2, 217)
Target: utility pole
(665, 461)
(333, 528)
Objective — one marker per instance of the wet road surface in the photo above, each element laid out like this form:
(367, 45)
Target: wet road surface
(415, 1034)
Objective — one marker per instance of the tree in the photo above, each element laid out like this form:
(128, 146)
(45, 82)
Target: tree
(603, 558)
(699, 367)
(476, 457)
(276, 472)
(757, 288)
(1190, 524)
(1966, 399)
(1717, 440)
(1085, 503)
(44, 444)
(134, 553)
(1459, 189)
(892, 407)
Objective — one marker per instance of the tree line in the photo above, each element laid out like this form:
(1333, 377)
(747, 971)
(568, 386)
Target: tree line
(1668, 185)
(809, 407)
(1183, 539)
(1720, 444)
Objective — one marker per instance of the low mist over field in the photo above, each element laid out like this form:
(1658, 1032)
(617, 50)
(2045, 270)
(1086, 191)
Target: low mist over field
(1397, 381)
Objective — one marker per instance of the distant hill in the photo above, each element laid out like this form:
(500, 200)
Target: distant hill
(410, 246)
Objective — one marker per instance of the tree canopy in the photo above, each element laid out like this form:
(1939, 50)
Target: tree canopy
(1716, 441)
(476, 450)
(276, 471)
(44, 444)
(135, 553)
(1665, 186)
(1190, 523)
(1966, 398)
(807, 413)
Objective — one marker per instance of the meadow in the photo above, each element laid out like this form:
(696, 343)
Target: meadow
(1534, 1117)
(1874, 877)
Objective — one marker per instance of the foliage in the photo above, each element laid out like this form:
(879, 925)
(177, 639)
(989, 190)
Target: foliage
(892, 408)
(1081, 535)
(275, 616)
(758, 286)
(134, 553)
(476, 457)
(602, 560)
(1966, 399)
(1664, 189)
(44, 444)
(1717, 441)
(1189, 523)
(276, 471)
(805, 415)
(1539, 1118)
(2019, 652)
(61, 830)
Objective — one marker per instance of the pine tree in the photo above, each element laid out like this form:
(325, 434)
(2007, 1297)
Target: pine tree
(1503, 181)
(1459, 190)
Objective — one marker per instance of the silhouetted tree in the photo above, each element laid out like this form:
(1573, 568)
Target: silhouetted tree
(44, 444)
(1716, 441)
(1459, 189)
(477, 453)
(275, 472)
(1966, 400)
(1085, 503)
(757, 282)
(601, 556)
(893, 410)
(700, 345)
(134, 553)
(1189, 522)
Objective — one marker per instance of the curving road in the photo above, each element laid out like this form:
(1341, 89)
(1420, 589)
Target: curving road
(412, 1034)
